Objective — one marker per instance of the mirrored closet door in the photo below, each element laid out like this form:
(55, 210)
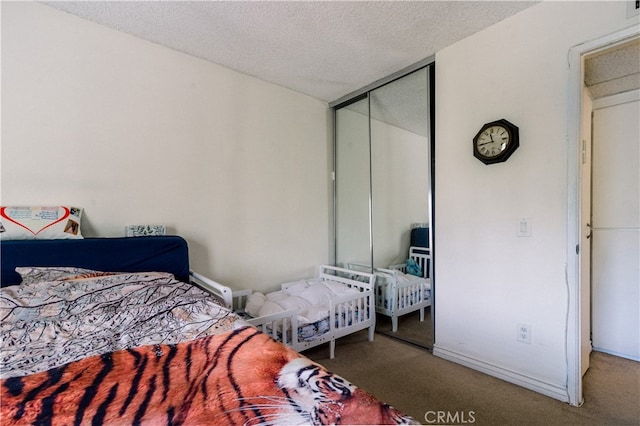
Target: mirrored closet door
(383, 199)
(353, 184)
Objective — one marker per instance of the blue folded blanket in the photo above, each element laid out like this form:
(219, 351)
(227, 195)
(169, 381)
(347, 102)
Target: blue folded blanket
(413, 268)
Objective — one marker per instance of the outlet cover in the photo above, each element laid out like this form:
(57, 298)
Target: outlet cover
(524, 333)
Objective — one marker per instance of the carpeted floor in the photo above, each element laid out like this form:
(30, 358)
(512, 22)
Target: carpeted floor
(430, 388)
(410, 328)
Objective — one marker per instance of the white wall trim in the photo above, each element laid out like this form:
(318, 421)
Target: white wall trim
(549, 389)
(614, 353)
(574, 140)
(617, 99)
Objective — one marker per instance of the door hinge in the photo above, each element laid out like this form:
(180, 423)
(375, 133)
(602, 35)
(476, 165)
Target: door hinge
(577, 248)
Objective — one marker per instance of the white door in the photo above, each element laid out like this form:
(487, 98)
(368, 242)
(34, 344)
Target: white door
(585, 243)
(615, 273)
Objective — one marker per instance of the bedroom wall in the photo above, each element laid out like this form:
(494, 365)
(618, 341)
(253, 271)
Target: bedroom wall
(489, 280)
(140, 134)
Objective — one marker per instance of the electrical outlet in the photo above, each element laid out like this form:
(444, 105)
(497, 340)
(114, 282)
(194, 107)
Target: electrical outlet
(524, 333)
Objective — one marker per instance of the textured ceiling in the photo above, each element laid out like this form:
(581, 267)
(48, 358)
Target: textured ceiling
(616, 70)
(324, 49)
(402, 103)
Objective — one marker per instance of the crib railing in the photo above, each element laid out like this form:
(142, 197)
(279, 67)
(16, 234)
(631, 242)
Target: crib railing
(282, 326)
(351, 309)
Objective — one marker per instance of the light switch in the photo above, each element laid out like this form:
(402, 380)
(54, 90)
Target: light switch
(524, 227)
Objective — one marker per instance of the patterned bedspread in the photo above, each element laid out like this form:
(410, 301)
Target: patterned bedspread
(241, 377)
(50, 323)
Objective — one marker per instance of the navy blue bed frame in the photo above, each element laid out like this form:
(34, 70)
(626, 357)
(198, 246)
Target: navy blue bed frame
(134, 254)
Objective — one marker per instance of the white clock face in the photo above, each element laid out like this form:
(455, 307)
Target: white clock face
(493, 141)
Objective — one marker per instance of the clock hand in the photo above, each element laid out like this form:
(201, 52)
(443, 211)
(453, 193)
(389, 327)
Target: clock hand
(480, 144)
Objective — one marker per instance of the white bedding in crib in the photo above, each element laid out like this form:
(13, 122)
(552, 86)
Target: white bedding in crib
(407, 299)
(404, 277)
(310, 297)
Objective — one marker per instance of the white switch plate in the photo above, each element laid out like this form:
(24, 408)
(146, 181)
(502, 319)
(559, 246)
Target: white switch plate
(524, 227)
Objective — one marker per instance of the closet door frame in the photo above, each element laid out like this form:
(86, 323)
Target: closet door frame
(364, 93)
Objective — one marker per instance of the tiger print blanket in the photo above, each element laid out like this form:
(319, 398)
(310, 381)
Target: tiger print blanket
(241, 377)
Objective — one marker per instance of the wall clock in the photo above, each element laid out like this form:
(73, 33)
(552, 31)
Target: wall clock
(495, 142)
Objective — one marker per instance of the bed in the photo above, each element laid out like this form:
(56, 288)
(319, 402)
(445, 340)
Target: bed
(398, 292)
(310, 312)
(121, 331)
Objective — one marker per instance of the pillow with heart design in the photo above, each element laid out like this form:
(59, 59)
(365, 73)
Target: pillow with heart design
(40, 222)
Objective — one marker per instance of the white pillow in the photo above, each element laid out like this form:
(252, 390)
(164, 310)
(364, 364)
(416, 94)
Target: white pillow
(402, 277)
(314, 314)
(296, 288)
(269, 308)
(40, 222)
(276, 295)
(317, 294)
(384, 277)
(293, 302)
(254, 303)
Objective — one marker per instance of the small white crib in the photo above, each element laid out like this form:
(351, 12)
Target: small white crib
(348, 313)
(398, 294)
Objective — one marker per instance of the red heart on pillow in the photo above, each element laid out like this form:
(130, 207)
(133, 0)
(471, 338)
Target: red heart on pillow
(33, 231)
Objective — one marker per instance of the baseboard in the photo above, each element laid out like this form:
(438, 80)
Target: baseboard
(531, 383)
(614, 353)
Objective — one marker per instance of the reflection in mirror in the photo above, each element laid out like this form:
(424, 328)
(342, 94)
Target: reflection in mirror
(383, 201)
(353, 185)
(400, 194)
(400, 180)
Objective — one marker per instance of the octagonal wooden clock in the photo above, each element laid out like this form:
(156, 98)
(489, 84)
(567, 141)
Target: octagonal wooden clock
(495, 142)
